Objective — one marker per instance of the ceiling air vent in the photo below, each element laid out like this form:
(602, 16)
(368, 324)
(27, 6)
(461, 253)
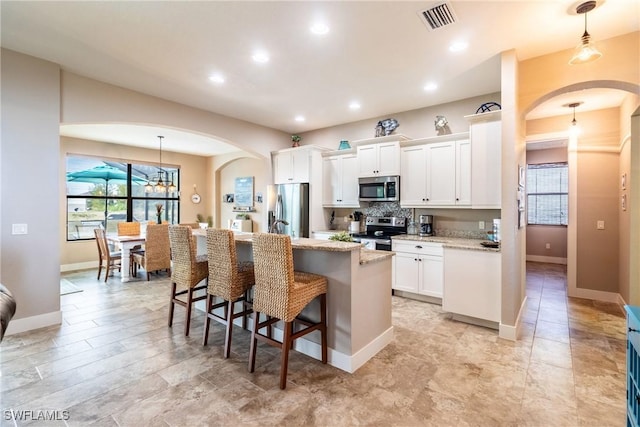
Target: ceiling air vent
(438, 16)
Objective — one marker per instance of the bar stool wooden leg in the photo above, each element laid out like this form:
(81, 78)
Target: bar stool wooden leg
(287, 342)
(227, 337)
(254, 341)
(323, 328)
(187, 320)
(172, 304)
(207, 320)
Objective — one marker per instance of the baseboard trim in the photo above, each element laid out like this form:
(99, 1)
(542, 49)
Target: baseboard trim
(25, 324)
(547, 259)
(79, 266)
(335, 358)
(509, 332)
(595, 295)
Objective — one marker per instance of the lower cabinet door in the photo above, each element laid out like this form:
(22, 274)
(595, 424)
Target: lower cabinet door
(406, 273)
(432, 276)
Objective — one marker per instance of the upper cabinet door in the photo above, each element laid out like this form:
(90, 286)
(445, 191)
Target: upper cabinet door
(441, 174)
(413, 180)
(350, 187)
(463, 172)
(389, 158)
(291, 166)
(331, 181)
(379, 159)
(367, 160)
(486, 170)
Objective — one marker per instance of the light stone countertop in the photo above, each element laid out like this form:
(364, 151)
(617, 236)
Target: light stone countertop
(366, 255)
(449, 242)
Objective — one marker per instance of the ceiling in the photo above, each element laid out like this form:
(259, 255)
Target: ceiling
(379, 54)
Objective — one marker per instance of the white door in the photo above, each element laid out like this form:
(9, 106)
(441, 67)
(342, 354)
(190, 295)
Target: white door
(331, 180)
(406, 272)
(389, 158)
(441, 174)
(367, 160)
(282, 168)
(301, 161)
(413, 180)
(432, 276)
(463, 172)
(349, 183)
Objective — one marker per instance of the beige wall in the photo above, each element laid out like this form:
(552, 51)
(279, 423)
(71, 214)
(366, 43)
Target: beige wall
(192, 171)
(538, 236)
(241, 168)
(630, 104)
(30, 263)
(413, 124)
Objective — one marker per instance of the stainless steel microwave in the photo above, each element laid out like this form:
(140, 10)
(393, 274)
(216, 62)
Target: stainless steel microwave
(379, 189)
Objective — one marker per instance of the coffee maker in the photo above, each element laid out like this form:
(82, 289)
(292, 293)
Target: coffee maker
(426, 225)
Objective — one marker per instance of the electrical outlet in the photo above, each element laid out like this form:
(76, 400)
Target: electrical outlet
(548, 246)
(18, 228)
(600, 225)
(481, 225)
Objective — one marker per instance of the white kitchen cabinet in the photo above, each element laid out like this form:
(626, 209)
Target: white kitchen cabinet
(418, 267)
(324, 235)
(291, 166)
(472, 283)
(340, 181)
(486, 160)
(382, 159)
(436, 174)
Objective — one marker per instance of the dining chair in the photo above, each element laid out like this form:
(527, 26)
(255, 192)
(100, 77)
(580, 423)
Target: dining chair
(157, 252)
(188, 271)
(131, 229)
(229, 280)
(282, 293)
(193, 225)
(111, 259)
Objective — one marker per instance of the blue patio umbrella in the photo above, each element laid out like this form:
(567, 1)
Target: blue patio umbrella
(99, 174)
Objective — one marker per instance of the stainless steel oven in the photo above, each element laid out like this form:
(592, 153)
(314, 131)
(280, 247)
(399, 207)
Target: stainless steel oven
(379, 189)
(379, 232)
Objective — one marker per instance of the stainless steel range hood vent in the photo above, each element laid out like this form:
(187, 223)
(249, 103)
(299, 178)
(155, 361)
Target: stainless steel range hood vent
(438, 16)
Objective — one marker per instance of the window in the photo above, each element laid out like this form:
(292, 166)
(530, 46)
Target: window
(547, 193)
(101, 193)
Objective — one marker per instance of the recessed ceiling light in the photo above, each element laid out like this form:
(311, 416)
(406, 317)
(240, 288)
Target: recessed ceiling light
(458, 46)
(299, 119)
(430, 86)
(354, 105)
(217, 78)
(261, 57)
(319, 29)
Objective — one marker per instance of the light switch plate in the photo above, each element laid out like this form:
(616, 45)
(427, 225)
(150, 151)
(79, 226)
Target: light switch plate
(600, 225)
(18, 228)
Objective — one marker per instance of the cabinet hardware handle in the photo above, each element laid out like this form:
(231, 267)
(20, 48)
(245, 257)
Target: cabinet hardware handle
(457, 199)
(418, 247)
(633, 330)
(415, 259)
(637, 398)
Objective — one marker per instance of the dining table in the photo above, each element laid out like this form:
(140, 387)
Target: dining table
(126, 243)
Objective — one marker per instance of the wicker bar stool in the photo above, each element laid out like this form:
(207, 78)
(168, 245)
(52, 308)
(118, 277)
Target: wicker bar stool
(282, 293)
(157, 253)
(229, 280)
(188, 271)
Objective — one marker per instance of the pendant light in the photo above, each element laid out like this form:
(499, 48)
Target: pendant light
(159, 186)
(586, 51)
(574, 129)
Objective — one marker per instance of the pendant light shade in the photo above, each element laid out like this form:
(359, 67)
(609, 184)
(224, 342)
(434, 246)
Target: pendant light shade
(586, 51)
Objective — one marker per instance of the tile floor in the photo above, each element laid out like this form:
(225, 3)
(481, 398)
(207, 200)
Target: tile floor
(114, 362)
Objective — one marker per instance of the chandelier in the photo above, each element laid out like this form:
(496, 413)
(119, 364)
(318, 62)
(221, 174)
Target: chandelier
(160, 186)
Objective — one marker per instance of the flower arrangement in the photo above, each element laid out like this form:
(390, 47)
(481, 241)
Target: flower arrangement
(159, 209)
(296, 140)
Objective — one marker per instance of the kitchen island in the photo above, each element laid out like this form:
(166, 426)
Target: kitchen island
(358, 297)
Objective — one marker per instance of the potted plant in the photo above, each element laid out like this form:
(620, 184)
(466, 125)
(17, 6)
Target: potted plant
(296, 140)
(201, 222)
(342, 236)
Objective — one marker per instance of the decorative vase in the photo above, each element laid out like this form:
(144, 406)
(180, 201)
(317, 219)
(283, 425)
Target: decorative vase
(159, 218)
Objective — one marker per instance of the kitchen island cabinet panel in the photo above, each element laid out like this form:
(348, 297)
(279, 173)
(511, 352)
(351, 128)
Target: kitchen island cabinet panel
(472, 283)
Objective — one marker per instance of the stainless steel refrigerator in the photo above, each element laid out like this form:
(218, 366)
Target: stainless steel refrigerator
(289, 212)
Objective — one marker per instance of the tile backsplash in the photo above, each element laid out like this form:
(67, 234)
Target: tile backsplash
(447, 222)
